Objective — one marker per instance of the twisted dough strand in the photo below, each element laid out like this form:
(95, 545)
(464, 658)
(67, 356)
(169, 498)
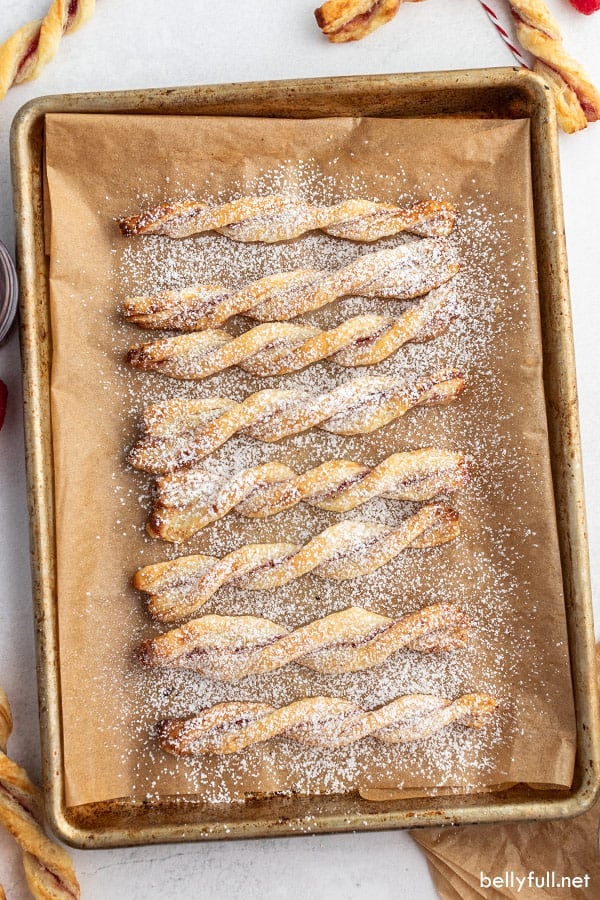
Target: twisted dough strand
(180, 433)
(282, 218)
(48, 868)
(178, 588)
(399, 273)
(229, 648)
(577, 100)
(277, 348)
(189, 500)
(320, 722)
(26, 52)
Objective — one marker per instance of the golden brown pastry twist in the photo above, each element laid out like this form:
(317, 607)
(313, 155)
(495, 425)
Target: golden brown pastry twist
(48, 868)
(189, 500)
(398, 273)
(277, 348)
(320, 722)
(180, 433)
(577, 100)
(351, 20)
(229, 648)
(178, 588)
(26, 52)
(282, 218)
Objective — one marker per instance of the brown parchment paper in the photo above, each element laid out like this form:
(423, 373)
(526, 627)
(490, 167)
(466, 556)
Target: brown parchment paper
(504, 569)
(505, 855)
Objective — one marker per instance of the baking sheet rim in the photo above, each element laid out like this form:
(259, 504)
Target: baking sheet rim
(307, 95)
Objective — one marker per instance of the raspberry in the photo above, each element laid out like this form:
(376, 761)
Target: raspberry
(3, 396)
(587, 7)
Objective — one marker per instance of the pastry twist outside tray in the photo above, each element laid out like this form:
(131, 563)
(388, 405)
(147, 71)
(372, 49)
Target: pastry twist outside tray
(177, 588)
(189, 500)
(229, 648)
(282, 218)
(351, 20)
(577, 100)
(320, 722)
(48, 868)
(277, 348)
(180, 433)
(26, 52)
(399, 273)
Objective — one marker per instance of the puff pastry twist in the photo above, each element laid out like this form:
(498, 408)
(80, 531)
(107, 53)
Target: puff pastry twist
(26, 52)
(282, 218)
(351, 20)
(229, 648)
(189, 500)
(48, 868)
(399, 273)
(277, 348)
(178, 588)
(577, 100)
(180, 433)
(320, 722)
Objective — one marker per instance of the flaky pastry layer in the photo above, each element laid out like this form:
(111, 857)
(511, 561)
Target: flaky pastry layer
(398, 273)
(320, 722)
(229, 648)
(282, 218)
(178, 588)
(189, 500)
(180, 433)
(278, 348)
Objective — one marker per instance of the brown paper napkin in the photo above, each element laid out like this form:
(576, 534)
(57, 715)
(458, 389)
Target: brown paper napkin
(463, 860)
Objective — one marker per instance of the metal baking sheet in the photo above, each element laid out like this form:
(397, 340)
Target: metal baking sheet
(496, 93)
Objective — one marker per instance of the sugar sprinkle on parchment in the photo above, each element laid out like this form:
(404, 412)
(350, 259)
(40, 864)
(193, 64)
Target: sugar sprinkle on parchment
(475, 343)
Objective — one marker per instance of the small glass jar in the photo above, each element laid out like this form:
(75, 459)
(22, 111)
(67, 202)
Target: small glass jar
(8, 292)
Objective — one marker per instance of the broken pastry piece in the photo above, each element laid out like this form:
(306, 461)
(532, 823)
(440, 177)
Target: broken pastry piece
(351, 20)
(229, 648)
(282, 218)
(326, 722)
(178, 588)
(189, 500)
(398, 273)
(180, 433)
(278, 348)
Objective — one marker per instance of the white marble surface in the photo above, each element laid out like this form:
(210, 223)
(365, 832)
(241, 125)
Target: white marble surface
(147, 43)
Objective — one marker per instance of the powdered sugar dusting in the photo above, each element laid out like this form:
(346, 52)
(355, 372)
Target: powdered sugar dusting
(478, 572)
